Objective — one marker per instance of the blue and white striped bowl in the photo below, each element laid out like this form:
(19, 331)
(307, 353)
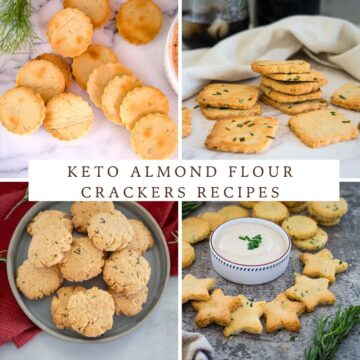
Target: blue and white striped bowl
(250, 274)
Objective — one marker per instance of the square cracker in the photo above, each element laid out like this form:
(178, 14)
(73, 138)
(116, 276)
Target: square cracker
(213, 113)
(228, 96)
(280, 67)
(322, 127)
(348, 97)
(295, 108)
(310, 76)
(291, 87)
(286, 98)
(253, 134)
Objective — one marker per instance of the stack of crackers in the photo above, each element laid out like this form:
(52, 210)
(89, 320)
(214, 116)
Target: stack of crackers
(42, 97)
(55, 254)
(238, 314)
(290, 86)
(238, 128)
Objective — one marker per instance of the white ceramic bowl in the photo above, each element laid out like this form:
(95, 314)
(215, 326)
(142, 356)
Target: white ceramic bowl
(168, 63)
(250, 274)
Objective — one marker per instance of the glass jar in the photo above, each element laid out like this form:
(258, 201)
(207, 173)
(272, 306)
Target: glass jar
(268, 11)
(206, 22)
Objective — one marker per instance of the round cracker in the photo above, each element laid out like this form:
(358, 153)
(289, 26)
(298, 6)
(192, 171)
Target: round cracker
(231, 212)
(195, 229)
(139, 21)
(68, 117)
(215, 219)
(22, 110)
(97, 10)
(42, 76)
(61, 63)
(154, 137)
(140, 102)
(70, 32)
(316, 242)
(88, 61)
(114, 93)
(100, 77)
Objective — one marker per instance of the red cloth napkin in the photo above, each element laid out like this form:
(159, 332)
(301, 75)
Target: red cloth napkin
(14, 325)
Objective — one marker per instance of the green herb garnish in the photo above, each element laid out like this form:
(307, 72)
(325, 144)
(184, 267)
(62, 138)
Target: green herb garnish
(342, 97)
(253, 243)
(190, 206)
(196, 106)
(217, 93)
(292, 337)
(330, 331)
(270, 137)
(333, 113)
(16, 28)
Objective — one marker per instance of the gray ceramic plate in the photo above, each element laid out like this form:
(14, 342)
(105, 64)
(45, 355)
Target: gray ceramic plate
(38, 311)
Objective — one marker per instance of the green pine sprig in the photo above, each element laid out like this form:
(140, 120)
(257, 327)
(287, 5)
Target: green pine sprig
(16, 28)
(330, 331)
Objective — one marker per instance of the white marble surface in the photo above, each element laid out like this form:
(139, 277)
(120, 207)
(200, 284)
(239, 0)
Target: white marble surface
(106, 140)
(286, 145)
(156, 339)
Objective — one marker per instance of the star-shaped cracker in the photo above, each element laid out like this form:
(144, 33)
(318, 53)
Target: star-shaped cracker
(322, 264)
(246, 318)
(216, 310)
(281, 313)
(196, 289)
(311, 292)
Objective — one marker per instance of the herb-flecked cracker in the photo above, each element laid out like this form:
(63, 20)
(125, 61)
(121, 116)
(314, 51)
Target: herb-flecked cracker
(129, 305)
(46, 218)
(84, 64)
(271, 210)
(348, 97)
(280, 67)
(196, 289)
(246, 318)
(100, 78)
(246, 135)
(97, 10)
(300, 227)
(311, 292)
(328, 210)
(292, 88)
(188, 254)
(231, 212)
(195, 229)
(22, 110)
(281, 313)
(228, 96)
(140, 102)
(322, 265)
(68, 117)
(70, 32)
(315, 242)
(287, 98)
(139, 21)
(83, 211)
(59, 303)
(214, 113)
(35, 282)
(217, 309)
(110, 231)
(43, 77)
(310, 76)
(61, 63)
(322, 127)
(295, 108)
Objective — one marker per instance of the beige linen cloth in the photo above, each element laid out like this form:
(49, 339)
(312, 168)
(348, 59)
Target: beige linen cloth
(196, 347)
(330, 41)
